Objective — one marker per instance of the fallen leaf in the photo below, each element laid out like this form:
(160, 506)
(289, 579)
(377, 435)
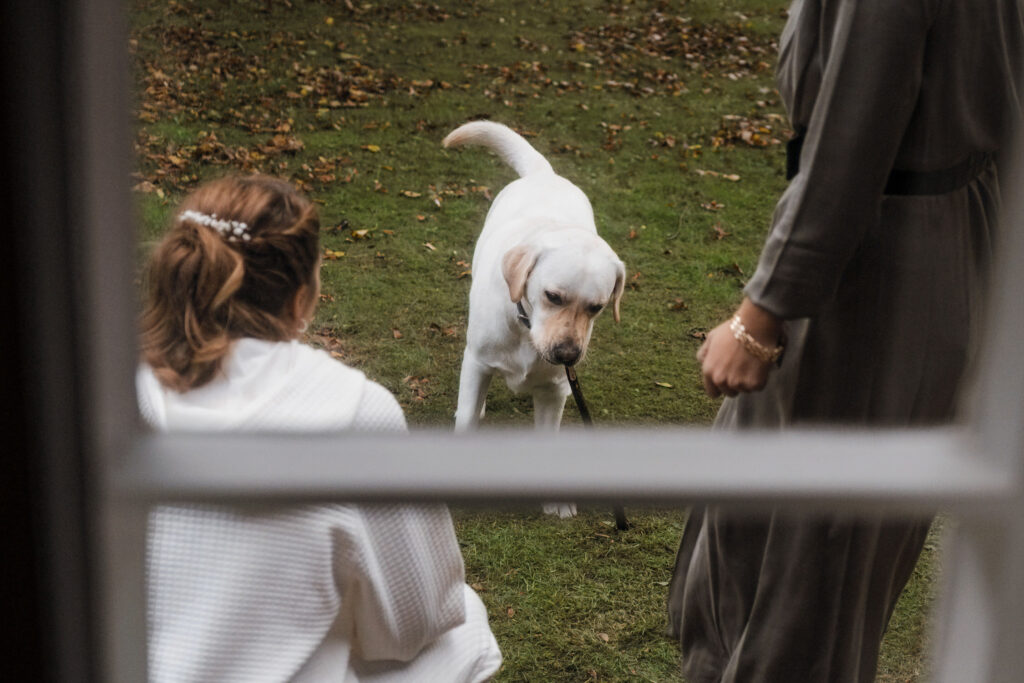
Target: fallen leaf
(664, 384)
(430, 246)
(371, 148)
(396, 334)
(360, 234)
(603, 636)
(410, 193)
(418, 386)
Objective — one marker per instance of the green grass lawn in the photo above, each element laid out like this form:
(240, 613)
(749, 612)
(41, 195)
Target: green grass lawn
(665, 114)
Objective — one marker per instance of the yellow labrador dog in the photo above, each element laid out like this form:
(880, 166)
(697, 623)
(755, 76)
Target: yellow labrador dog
(541, 275)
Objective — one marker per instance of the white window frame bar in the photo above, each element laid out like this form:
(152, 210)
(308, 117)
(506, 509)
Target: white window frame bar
(972, 470)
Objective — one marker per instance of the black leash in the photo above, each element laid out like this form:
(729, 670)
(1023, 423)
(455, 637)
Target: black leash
(621, 523)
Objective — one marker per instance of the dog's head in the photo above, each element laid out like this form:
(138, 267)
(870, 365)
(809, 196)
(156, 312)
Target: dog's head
(566, 285)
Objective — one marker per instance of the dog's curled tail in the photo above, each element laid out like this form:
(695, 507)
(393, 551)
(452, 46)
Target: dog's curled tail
(508, 144)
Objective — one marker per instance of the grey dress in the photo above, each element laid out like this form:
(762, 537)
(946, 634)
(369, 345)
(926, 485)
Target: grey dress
(882, 295)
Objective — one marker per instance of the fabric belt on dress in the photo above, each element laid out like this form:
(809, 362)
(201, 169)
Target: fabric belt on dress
(905, 182)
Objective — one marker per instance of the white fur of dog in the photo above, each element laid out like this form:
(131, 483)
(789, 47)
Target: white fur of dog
(539, 247)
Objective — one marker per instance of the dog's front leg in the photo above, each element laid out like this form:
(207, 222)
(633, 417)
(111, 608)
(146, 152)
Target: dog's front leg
(548, 404)
(473, 382)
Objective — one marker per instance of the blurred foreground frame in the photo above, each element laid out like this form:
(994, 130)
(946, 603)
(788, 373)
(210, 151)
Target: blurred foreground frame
(93, 471)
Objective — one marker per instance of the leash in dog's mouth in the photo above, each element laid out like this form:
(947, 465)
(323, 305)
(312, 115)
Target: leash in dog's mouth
(577, 394)
(521, 314)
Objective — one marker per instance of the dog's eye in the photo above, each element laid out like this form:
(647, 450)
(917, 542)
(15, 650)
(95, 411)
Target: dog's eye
(554, 298)
(594, 309)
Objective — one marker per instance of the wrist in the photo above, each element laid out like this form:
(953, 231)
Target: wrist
(763, 325)
(759, 332)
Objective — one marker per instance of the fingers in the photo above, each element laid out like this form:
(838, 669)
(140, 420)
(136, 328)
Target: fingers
(702, 352)
(727, 369)
(709, 387)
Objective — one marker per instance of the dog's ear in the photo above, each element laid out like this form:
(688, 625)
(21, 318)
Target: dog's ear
(620, 285)
(516, 265)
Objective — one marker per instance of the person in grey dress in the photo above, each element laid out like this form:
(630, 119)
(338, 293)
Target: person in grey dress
(870, 286)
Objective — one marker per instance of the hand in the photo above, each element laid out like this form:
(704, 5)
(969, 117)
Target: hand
(727, 368)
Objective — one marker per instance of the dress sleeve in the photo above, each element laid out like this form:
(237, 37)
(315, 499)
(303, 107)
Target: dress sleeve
(405, 580)
(872, 55)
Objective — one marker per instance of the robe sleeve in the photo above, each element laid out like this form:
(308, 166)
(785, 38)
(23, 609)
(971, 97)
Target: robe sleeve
(872, 54)
(400, 569)
(405, 580)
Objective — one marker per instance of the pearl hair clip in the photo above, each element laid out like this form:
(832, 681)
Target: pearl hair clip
(232, 231)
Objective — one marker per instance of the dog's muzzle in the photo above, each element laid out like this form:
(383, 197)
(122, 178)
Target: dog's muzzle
(566, 353)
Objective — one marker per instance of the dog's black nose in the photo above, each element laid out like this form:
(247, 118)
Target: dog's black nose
(566, 353)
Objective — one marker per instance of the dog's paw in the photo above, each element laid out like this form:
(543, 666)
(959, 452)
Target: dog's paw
(563, 510)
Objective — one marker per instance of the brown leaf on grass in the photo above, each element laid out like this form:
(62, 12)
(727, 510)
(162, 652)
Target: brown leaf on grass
(396, 334)
(430, 246)
(280, 144)
(327, 341)
(756, 131)
(713, 205)
(435, 328)
(732, 270)
(678, 305)
(418, 387)
(732, 177)
(720, 233)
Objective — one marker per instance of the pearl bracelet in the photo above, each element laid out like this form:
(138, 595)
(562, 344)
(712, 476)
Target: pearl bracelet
(752, 346)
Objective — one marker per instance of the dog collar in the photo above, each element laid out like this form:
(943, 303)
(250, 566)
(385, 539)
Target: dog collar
(521, 314)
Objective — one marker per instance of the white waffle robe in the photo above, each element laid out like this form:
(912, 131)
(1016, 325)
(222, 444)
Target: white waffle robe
(348, 593)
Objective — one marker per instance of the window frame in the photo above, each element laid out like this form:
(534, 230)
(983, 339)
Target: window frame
(972, 470)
